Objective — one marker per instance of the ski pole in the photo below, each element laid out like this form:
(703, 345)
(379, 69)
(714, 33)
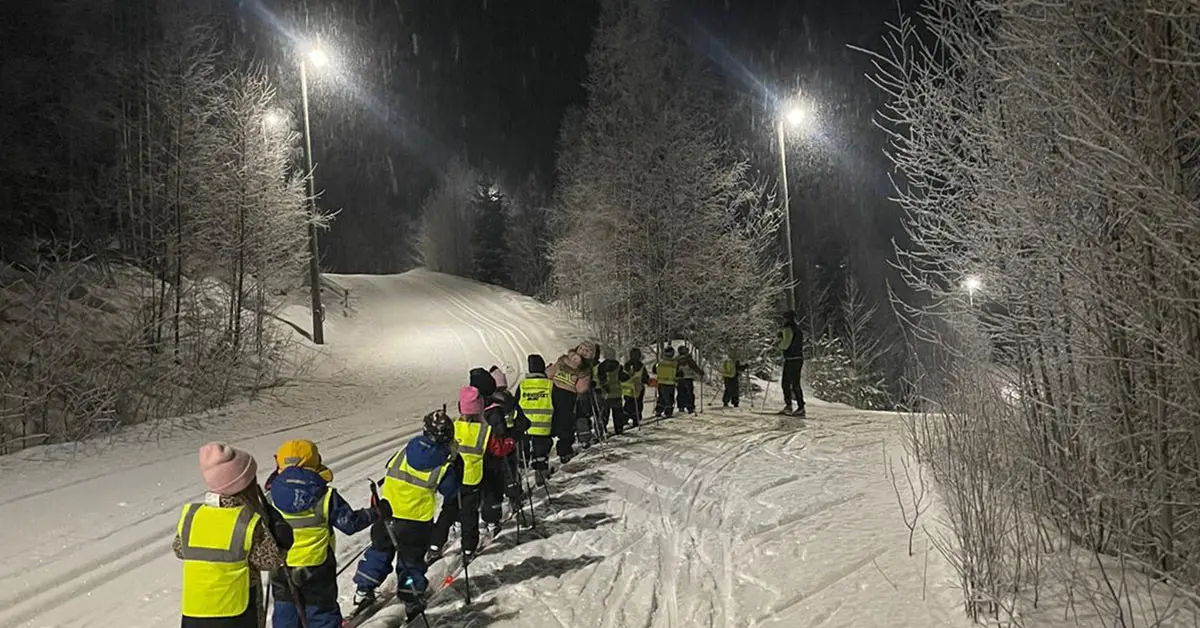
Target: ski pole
(387, 527)
(465, 562)
(355, 558)
(299, 601)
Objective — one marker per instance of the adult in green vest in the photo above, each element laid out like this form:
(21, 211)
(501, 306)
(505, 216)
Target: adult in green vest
(299, 489)
(225, 543)
(472, 434)
(535, 402)
(665, 373)
(791, 344)
(731, 373)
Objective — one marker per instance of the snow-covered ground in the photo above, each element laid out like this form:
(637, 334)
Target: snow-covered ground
(722, 519)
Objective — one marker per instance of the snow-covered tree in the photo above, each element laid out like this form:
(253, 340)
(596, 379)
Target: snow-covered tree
(528, 236)
(445, 239)
(1048, 151)
(660, 232)
(490, 242)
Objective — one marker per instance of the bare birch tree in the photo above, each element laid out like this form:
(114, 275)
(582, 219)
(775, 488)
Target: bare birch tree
(1049, 148)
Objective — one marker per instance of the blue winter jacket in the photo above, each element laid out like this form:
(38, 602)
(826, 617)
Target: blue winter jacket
(423, 454)
(295, 490)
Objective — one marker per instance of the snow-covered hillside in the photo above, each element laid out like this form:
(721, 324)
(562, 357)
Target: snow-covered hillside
(725, 519)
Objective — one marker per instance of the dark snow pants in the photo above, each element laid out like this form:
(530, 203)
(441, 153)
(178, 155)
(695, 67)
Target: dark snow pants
(376, 562)
(791, 382)
(612, 408)
(562, 422)
(665, 406)
(633, 411)
(641, 407)
(491, 491)
(732, 392)
(585, 410)
(685, 395)
(468, 516)
(286, 615)
(540, 454)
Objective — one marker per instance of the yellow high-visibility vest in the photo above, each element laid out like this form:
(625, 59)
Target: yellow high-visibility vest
(628, 388)
(312, 537)
(537, 403)
(636, 377)
(566, 379)
(665, 371)
(728, 369)
(216, 559)
(472, 440)
(412, 494)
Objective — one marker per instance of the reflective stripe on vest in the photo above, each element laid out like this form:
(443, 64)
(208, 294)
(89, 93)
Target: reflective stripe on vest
(313, 538)
(537, 404)
(412, 494)
(566, 379)
(472, 440)
(215, 547)
(665, 372)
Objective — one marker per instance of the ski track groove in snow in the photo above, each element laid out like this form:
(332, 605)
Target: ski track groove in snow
(723, 519)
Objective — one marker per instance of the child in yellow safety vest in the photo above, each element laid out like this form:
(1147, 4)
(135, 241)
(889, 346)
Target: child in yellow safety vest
(299, 489)
(226, 541)
(731, 372)
(665, 372)
(633, 389)
(473, 435)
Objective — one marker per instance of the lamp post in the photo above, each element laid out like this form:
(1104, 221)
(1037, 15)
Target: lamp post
(794, 117)
(318, 59)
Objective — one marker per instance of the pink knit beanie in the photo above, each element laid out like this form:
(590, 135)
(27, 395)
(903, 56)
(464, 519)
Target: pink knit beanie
(500, 379)
(469, 401)
(227, 471)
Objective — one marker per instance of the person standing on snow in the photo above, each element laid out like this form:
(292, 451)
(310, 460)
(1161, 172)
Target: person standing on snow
(299, 489)
(791, 343)
(685, 385)
(415, 477)
(535, 402)
(731, 373)
(639, 378)
(609, 376)
(499, 465)
(664, 373)
(472, 435)
(587, 406)
(568, 380)
(225, 543)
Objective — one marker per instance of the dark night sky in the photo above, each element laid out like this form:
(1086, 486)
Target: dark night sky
(490, 80)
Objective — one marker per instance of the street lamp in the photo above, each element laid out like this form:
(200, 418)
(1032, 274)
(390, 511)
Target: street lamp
(972, 284)
(796, 116)
(318, 59)
(274, 119)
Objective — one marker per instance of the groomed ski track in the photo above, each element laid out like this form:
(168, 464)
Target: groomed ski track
(724, 519)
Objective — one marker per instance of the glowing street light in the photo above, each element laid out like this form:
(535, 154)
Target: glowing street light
(317, 57)
(796, 116)
(972, 284)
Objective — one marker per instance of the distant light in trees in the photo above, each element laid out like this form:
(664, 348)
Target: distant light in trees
(972, 284)
(275, 119)
(797, 116)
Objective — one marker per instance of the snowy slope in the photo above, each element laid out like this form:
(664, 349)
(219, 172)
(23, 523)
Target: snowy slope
(723, 519)
(85, 530)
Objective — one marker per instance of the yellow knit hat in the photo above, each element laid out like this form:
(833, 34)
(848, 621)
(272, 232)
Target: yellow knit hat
(303, 454)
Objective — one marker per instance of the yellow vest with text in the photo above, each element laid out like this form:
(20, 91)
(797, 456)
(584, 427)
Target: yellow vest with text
(312, 537)
(472, 440)
(537, 404)
(216, 559)
(412, 494)
(565, 379)
(665, 371)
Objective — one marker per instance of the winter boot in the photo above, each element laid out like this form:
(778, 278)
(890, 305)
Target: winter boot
(494, 529)
(433, 555)
(364, 597)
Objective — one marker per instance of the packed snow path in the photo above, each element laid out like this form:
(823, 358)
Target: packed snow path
(723, 519)
(726, 519)
(85, 530)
